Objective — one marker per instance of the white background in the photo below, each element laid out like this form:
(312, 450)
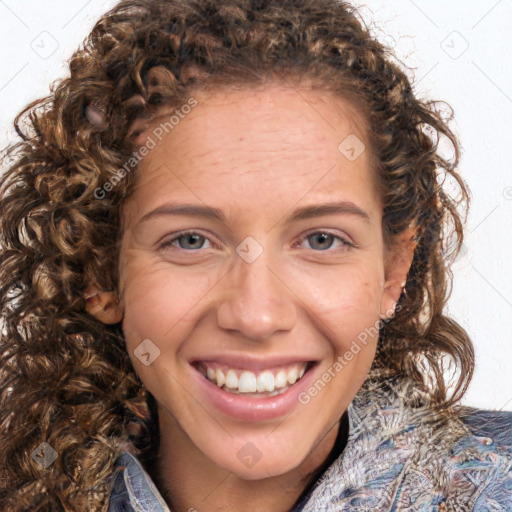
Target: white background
(458, 51)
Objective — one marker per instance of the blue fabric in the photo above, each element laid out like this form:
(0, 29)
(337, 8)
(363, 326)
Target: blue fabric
(133, 489)
(396, 459)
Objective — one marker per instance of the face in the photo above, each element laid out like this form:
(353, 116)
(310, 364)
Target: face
(252, 262)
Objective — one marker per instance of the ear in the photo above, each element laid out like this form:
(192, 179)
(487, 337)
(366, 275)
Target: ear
(397, 262)
(103, 305)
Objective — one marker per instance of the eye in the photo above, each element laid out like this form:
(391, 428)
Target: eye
(187, 240)
(192, 241)
(323, 240)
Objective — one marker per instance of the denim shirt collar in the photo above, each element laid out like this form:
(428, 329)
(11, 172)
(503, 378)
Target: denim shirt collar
(133, 490)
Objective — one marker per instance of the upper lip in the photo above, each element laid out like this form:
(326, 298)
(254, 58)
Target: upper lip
(252, 363)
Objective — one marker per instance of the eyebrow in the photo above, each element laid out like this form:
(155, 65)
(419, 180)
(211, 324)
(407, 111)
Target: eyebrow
(334, 208)
(305, 212)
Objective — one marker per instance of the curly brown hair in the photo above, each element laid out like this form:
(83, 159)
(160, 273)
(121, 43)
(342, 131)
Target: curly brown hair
(66, 378)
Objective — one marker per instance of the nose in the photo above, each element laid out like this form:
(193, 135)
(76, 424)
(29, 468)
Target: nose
(256, 301)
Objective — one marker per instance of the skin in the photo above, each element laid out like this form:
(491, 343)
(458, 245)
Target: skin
(257, 155)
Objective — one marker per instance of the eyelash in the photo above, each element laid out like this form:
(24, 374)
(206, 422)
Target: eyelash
(345, 243)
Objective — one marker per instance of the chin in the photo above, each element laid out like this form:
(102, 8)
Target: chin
(260, 457)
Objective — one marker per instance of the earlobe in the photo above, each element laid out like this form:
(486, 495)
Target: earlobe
(397, 264)
(104, 306)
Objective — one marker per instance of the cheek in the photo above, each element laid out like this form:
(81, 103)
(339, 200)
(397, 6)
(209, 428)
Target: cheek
(164, 303)
(160, 304)
(345, 305)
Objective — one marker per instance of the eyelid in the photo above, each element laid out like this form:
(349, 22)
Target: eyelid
(175, 236)
(344, 239)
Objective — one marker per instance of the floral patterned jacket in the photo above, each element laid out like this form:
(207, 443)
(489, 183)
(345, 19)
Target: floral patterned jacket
(398, 457)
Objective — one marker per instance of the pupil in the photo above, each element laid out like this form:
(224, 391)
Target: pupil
(190, 239)
(323, 237)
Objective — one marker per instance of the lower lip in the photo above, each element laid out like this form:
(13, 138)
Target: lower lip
(251, 408)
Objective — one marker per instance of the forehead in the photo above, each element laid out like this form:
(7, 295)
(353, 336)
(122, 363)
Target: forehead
(275, 104)
(279, 139)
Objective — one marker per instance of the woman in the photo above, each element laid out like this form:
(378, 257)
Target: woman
(290, 357)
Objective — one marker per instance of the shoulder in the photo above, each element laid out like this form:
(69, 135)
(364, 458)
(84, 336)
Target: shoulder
(487, 435)
(496, 426)
(480, 463)
(401, 457)
(487, 441)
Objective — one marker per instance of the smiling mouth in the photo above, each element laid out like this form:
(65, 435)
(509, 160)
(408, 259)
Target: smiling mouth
(264, 383)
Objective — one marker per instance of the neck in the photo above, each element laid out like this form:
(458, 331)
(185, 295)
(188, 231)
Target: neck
(191, 482)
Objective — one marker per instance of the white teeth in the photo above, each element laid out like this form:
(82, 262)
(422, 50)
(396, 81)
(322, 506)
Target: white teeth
(231, 379)
(292, 376)
(265, 381)
(220, 377)
(247, 382)
(280, 380)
